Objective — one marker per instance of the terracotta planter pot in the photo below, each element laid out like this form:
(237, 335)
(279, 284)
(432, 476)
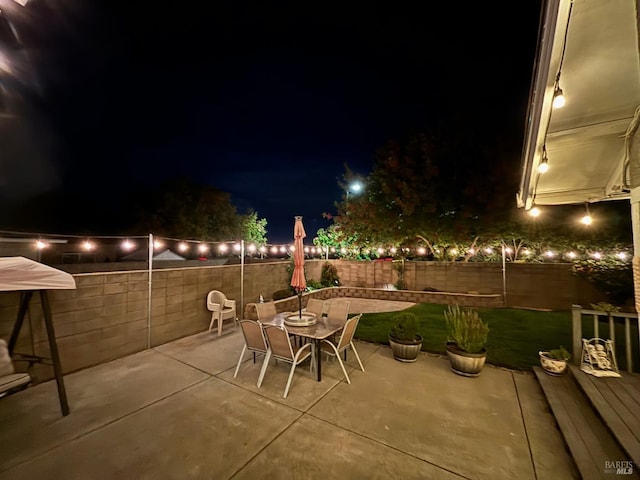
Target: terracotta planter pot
(465, 363)
(405, 351)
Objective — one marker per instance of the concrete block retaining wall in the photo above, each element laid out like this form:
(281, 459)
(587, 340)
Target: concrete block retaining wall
(463, 299)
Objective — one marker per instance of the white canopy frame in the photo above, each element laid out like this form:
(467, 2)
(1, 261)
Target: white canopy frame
(27, 276)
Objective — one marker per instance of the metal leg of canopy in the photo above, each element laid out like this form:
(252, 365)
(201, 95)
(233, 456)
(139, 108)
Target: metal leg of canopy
(25, 298)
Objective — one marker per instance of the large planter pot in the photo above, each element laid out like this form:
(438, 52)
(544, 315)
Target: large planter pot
(465, 363)
(405, 350)
(551, 365)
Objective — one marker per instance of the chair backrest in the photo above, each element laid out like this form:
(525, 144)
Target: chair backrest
(348, 332)
(315, 306)
(338, 311)
(253, 335)
(279, 342)
(215, 297)
(266, 310)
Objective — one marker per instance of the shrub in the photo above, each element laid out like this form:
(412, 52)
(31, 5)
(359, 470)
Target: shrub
(612, 276)
(605, 307)
(560, 353)
(329, 276)
(401, 283)
(313, 285)
(404, 327)
(465, 328)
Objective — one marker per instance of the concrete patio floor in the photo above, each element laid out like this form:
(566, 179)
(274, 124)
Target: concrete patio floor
(176, 411)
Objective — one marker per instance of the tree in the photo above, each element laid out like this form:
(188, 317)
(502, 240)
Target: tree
(254, 229)
(185, 209)
(426, 188)
(455, 195)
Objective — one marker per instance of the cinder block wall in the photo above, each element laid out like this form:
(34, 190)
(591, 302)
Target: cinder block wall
(107, 316)
(528, 285)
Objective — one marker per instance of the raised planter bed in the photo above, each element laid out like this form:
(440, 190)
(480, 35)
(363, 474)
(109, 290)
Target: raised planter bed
(445, 298)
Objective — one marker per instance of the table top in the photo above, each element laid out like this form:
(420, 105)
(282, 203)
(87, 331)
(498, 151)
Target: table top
(322, 329)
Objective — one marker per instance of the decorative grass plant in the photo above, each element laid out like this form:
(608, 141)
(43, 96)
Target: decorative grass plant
(465, 328)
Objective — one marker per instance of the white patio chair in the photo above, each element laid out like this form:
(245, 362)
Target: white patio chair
(254, 341)
(344, 342)
(281, 348)
(221, 309)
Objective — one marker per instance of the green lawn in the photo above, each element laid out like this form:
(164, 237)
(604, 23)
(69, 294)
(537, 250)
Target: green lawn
(515, 335)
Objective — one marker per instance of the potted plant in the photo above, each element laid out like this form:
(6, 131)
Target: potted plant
(554, 362)
(466, 340)
(404, 339)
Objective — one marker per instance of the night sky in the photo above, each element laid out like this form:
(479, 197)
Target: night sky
(264, 101)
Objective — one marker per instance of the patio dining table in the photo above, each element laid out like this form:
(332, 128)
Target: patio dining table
(317, 332)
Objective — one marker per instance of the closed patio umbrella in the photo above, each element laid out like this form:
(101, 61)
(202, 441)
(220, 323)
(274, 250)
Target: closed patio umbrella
(298, 281)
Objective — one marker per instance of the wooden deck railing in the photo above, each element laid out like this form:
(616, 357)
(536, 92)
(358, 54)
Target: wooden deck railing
(578, 314)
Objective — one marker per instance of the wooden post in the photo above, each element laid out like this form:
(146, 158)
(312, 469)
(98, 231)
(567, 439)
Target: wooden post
(55, 357)
(576, 328)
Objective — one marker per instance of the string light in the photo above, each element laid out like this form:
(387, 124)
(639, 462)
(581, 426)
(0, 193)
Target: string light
(128, 245)
(586, 220)
(223, 247)
(558, 97)
(544, 164)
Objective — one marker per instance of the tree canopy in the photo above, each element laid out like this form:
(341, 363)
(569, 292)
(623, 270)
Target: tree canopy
(452, 195)
(184, 209)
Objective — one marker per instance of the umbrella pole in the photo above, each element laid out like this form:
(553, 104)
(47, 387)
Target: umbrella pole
(299, 304)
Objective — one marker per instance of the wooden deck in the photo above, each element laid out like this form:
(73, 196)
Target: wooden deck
(599, 418)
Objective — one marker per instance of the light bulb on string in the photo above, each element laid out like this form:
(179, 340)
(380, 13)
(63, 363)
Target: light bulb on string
(543, 167)
(558, 98)
(586, 219)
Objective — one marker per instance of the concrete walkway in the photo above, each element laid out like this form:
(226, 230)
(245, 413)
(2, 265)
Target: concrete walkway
(176, 412)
